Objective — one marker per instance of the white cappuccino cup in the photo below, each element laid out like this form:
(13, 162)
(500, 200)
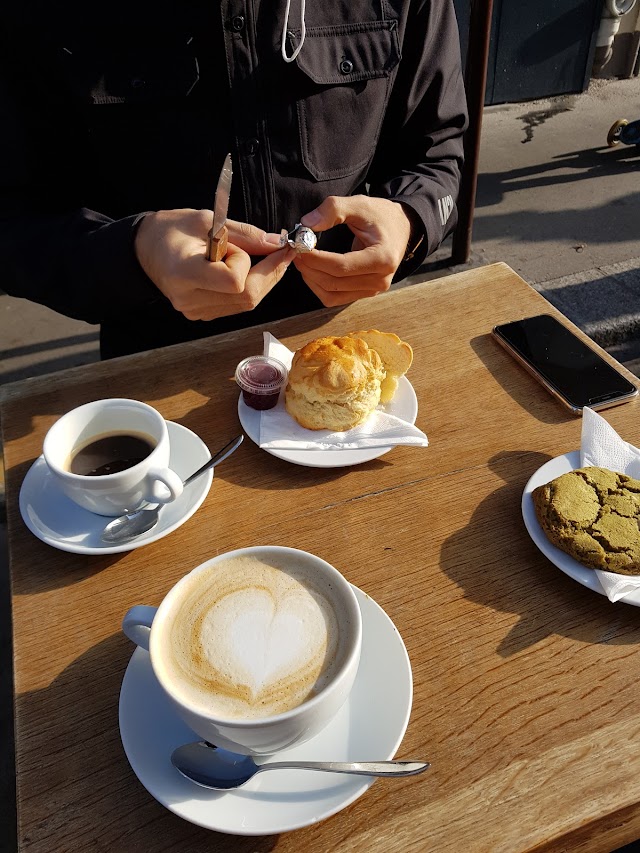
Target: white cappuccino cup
(256, 649)
(112, 456)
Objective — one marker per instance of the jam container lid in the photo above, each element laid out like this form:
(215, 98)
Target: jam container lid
(261, 374)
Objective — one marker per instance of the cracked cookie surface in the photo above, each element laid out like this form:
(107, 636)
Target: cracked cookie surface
(594, 515)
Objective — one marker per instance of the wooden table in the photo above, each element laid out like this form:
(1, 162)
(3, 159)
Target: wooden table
(525, 683)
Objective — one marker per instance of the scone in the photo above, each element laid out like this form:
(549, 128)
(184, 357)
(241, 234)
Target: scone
(593, 514)
(396, 356)
(334, 383)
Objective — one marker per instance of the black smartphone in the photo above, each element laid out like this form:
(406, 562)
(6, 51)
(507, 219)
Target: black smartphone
(570, 369)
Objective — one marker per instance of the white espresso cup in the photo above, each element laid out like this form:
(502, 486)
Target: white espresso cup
(256, 649)
(112, 456)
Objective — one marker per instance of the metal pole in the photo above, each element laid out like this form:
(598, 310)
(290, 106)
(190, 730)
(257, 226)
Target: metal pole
(475, 79)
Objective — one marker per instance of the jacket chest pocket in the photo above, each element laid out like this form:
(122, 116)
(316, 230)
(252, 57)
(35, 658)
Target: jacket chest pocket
(348, 71)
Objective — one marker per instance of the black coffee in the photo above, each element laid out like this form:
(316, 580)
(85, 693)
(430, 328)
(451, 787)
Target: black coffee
(111, 453)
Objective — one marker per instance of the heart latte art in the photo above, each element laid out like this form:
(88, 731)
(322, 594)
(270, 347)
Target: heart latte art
(247, 638)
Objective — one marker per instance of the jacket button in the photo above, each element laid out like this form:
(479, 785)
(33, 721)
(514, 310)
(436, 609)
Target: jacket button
(237, 23)
(252, 146)
(137, 83)
(346, 66)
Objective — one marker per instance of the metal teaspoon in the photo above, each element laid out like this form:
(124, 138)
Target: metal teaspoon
(132, 524)
(220, 770)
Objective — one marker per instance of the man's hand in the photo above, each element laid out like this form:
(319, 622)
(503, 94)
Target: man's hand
(381, 231)
(171, 248)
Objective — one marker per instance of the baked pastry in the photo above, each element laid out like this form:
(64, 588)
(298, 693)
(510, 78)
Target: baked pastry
(593, 514)
(396, 356)
(334, 383)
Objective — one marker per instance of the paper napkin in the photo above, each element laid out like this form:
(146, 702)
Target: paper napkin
(600, 445)
(279, 430)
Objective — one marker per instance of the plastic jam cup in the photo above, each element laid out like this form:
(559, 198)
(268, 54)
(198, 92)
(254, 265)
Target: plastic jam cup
(261, 378)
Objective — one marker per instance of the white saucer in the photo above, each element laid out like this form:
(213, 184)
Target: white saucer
(369, 726)
(404, 405)
(58, 521)
(587, 577)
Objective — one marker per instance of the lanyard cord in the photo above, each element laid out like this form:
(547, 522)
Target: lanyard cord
(283, 46)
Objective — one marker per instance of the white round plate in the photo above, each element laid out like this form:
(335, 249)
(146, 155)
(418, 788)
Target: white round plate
(404, 405)
(587, 577)
(55, 519)
(369, 726)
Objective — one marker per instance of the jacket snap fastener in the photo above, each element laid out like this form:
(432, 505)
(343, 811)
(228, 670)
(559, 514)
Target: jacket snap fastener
(346, 66)
(252, 146)
(137, 83)
(237, 23)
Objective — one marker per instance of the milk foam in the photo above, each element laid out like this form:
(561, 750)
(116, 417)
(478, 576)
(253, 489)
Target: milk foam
(251, 637)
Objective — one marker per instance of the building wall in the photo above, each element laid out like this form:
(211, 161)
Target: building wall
(626, 48)
(538, 49)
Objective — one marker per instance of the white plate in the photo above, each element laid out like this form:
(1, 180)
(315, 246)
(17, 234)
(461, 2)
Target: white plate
(404, 405)
(587, 577)
(369, 726)
(55, 519)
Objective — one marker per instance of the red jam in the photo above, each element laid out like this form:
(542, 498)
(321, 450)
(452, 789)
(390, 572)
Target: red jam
(261, 379)
(261, 402)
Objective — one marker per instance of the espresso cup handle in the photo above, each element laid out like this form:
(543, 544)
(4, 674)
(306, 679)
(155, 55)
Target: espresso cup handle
(169, 479)
(137, 622)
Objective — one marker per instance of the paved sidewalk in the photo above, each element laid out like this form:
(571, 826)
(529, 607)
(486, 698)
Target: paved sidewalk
(605, 303)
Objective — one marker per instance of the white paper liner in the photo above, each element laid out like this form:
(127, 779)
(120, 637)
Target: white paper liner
(279, 430)
(601, 446)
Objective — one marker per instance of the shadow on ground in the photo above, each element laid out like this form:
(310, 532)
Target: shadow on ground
(37, 359)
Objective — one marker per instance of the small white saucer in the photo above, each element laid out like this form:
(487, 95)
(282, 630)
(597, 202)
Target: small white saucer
(369, 726)
(404, 405)
(565, 562)
(55, 519)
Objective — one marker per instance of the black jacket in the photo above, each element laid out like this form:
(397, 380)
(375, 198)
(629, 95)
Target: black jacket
(105, 119)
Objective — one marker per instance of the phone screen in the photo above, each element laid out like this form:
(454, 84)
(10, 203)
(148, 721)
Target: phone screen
(564, 362)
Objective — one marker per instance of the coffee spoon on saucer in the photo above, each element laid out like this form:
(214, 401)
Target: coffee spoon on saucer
(211, 767)
(127, 527)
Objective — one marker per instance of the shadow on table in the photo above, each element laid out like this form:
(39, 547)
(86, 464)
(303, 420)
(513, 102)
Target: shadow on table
(517, 383)
(515, 579)
(258, 470)
(267, 472)
(50, 574)
(71, 726)
(155, 377)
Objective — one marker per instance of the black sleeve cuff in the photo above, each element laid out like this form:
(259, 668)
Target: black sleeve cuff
(114, 277)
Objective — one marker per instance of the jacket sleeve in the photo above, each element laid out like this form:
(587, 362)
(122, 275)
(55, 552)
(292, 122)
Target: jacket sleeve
(76, 261)
(419, 158)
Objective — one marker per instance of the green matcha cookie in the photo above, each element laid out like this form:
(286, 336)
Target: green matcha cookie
(594, 515)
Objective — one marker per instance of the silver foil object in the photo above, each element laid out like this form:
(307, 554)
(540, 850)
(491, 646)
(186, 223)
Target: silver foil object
(302, 239)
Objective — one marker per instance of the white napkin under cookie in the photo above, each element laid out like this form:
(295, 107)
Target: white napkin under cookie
(279, 430)
(601, 446)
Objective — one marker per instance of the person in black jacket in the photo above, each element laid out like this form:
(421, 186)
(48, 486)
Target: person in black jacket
(347, 117)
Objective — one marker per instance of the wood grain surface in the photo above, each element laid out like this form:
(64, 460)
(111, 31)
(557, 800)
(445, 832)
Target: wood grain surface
(525, 682)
